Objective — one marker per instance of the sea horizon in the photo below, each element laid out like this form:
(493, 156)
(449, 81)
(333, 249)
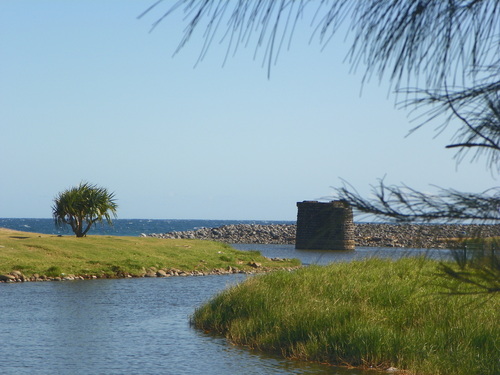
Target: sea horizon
(128, 227)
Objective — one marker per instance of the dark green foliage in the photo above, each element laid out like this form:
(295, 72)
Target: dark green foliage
(53, 271)
(83, 206)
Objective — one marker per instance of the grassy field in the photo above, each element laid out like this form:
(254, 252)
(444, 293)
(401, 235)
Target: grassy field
(373, 313)
(111, 256)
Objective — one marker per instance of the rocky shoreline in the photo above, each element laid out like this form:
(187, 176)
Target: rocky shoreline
(17, 276)
(366, 235)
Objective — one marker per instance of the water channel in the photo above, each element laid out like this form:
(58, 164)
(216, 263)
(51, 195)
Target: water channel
(139, 326)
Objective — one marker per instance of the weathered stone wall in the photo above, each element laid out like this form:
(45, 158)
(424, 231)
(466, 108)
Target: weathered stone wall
(324, 226)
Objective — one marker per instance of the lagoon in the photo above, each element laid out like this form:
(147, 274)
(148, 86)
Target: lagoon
(137, 326)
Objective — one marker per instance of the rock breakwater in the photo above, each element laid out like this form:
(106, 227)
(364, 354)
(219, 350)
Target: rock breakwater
(238, 233)
(366, 235)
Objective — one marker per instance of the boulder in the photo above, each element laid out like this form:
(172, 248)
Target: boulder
(7, 278)
(161, 273)
(18, 275)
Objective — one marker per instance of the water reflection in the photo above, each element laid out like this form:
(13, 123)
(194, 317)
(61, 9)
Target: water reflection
(132, 326)
(325, 257)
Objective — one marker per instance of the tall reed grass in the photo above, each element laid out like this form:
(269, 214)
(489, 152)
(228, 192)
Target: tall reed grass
(372, 313)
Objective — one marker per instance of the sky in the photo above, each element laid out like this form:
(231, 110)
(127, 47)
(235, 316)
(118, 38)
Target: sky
(89, 93)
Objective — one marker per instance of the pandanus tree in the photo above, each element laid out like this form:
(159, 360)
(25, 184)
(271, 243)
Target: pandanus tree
(83, 206)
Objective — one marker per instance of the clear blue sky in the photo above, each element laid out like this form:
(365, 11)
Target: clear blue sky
(87, 93)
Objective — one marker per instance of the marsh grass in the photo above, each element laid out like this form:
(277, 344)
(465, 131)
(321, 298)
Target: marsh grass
(372, 313)
(111, 256)
(476, 268)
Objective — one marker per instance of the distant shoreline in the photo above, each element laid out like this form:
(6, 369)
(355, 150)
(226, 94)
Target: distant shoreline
(366, 234)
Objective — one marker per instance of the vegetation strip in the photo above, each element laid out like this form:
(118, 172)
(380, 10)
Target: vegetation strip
(373, 314)
(32, 256)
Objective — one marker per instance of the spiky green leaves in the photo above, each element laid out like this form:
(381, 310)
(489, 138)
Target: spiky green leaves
(82, 206)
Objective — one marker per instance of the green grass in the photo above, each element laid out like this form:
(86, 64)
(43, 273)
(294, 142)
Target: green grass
(373, 313)
(111, 256)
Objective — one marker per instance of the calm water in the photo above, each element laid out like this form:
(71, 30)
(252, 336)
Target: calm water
(139, 326)
(324, 257)
(128, 326)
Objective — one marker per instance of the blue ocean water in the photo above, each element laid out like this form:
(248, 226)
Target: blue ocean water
(126, 227)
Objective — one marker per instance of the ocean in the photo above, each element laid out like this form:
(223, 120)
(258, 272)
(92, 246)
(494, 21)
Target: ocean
(126, 227)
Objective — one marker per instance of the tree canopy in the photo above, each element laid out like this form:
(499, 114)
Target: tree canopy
(82, 206)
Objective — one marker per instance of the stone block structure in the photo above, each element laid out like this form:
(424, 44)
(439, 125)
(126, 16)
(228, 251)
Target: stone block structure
(324, 226)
